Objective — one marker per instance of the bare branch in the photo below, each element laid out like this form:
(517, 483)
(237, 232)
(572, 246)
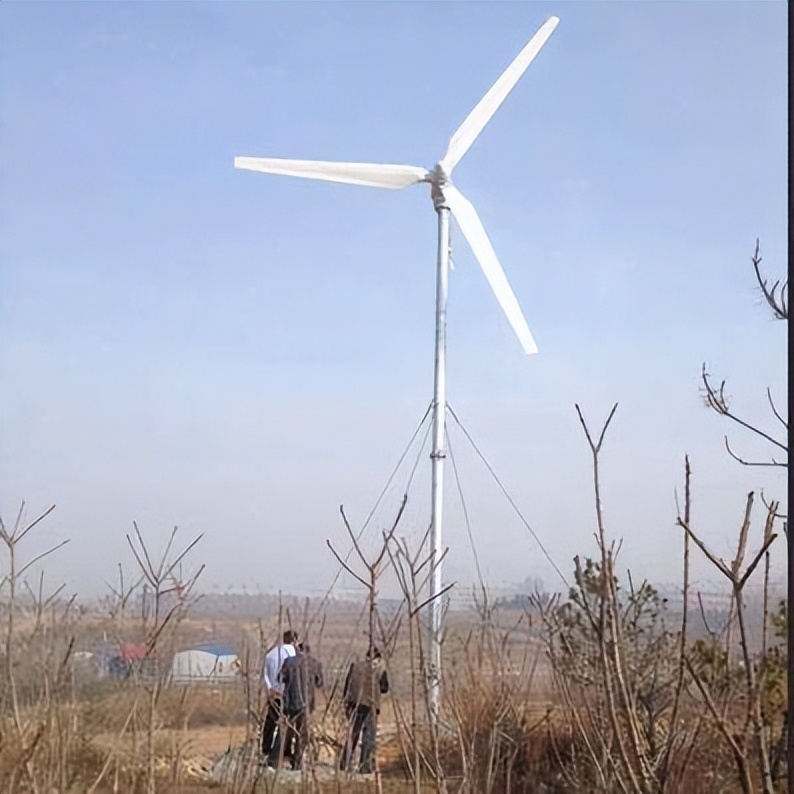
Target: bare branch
(387, 537)
(720, 722)
(141, 564)
(782, 421)
(715, 399)
(679, 686)
(419, 547)
(431, 599)
(702, 546)
(772, 462)
(145, 551)
(32, 524)
(41, 556)
(183, 589)
(20, 515)
(429, 557)
(51, 598)
(181, 556)
(713, 634)
(595, 447)
(778, 303)
(718, 402)
(742, 544)
(751, 567)
(345, 565)
(422, 582)
(772, 507)
(606, 425)
(352, 536)
(164, 557)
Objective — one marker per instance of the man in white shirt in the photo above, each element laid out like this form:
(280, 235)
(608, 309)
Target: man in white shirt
(273, 690)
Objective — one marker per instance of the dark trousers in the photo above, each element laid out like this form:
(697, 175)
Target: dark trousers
(270, 748)
(294, 737)
(360, 723)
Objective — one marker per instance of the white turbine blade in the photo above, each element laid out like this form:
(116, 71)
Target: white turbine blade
(473, 124)
(473, 230)
(393, 177)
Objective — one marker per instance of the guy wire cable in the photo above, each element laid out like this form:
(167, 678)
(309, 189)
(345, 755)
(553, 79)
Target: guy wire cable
(327, 595)
(480, 580)
(508, 497)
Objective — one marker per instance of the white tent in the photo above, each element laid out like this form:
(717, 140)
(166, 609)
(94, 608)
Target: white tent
(210, 662)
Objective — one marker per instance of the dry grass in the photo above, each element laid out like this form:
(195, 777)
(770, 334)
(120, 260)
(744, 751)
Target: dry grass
(507, 730)
(506, 724)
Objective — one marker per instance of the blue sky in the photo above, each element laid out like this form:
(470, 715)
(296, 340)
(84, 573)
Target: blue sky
(238, 354)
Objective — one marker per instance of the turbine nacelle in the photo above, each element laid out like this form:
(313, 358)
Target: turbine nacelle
(439, 180)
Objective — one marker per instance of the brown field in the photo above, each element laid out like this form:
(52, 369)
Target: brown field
(195, 724)
(603, 691)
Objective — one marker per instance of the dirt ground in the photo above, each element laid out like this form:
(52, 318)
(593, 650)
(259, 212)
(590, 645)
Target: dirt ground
(190, 755)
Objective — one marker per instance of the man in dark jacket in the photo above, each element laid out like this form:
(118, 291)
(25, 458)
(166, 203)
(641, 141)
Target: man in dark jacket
(366, 681)
(301, 675)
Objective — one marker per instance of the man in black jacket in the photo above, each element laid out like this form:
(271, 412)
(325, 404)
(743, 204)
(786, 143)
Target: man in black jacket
(301, 675)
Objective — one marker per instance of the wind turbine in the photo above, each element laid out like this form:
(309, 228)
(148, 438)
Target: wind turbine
(446, 199)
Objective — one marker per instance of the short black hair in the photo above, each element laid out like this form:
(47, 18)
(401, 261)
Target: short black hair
(290, 637)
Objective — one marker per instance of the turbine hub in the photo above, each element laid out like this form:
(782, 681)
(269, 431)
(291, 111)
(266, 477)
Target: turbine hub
(438, 180)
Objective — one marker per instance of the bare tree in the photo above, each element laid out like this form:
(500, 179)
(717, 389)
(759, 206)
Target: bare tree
(414, 570)
(36, 733)
(171, 597)
(373, 571)
(776, 298)
(618, 669)
(746, 736)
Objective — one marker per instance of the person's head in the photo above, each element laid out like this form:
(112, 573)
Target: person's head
(290, 637)
(374, 653)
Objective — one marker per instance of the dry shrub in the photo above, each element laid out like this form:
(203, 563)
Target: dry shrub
(499, 728)
(500, 749)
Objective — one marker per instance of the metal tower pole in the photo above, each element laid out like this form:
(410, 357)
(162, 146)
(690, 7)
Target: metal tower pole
(438, 454)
